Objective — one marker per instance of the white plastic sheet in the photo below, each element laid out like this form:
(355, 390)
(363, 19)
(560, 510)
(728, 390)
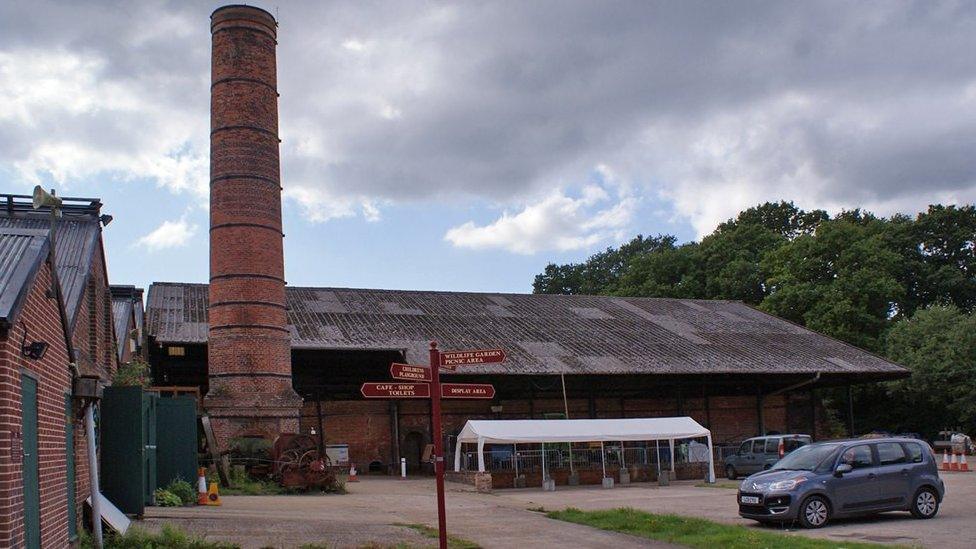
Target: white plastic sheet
(580, 430)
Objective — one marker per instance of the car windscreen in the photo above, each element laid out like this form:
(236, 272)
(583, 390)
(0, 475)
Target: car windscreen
(806, 458)
(790, 444)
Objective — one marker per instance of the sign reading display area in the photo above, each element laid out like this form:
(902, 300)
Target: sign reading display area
(467, 390)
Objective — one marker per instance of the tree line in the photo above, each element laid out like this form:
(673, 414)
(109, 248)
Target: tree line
(903, 287)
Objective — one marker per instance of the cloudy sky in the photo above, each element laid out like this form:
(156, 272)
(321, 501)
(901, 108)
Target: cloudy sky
(464, 145)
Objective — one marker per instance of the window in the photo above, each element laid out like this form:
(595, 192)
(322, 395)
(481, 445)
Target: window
(858, 457)
(791, 444)
(914, 452)
(176, 351)
(772, 445)
(758, 446)
(746, 447)
(890, 453)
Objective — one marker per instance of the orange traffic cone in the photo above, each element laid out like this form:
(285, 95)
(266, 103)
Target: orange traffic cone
(945, 460)
(213, 495)
(953, 466)
(201, 486)
(963, 466)
(353, 477)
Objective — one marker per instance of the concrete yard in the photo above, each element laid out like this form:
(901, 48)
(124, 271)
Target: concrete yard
(369, 514)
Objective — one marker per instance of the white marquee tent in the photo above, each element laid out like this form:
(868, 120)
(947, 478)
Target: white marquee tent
(516, 431)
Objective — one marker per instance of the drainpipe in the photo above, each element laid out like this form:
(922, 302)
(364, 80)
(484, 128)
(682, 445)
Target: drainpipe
(93, 474)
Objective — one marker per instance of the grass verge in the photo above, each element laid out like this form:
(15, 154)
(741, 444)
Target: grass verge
(695, 532)
(169, 537)
(452, 542)
(726, 484)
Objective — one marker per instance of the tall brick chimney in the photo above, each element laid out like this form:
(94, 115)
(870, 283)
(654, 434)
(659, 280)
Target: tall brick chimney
(249, 352)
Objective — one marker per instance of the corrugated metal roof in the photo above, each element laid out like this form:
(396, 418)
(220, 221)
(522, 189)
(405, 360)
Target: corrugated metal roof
(77, 240)
(21, 253)
(121, 315)
(126, 312)
(542, 334)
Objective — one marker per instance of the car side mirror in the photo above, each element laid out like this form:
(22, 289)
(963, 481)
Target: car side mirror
(842, 469)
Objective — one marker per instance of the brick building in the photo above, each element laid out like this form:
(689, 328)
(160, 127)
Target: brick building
(734, 369)
(127, 314)
(45, 477)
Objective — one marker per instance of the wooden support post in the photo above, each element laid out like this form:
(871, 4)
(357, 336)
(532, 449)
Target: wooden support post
(318, 413)
(395, 432)
(850, 410)
(708, 408)
(760, 416)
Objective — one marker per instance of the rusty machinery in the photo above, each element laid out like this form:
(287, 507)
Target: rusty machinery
(297, 463)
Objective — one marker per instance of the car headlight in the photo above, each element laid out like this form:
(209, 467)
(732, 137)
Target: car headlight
(786, 484)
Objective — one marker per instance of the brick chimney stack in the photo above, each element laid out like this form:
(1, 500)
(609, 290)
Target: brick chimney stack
(249, 351)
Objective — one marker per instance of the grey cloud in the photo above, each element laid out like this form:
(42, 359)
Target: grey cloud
(505, 99)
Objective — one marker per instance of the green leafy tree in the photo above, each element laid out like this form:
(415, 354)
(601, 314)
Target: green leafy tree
(782, 218)
(666, 272)
(599, 273)
(841, 280)
(946, 239)
(938, 345)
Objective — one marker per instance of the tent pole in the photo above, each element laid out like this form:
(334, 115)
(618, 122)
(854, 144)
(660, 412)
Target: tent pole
(603, 458)
(711, 462)
(543, 464)
(671, 444)
(515, 457)
(457, 457)
(481, 455)
(562, 377)
(657, 450)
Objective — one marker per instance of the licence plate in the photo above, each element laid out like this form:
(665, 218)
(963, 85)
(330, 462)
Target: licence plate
(750, 499)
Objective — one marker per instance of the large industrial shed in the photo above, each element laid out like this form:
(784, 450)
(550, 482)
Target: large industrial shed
(734, 369)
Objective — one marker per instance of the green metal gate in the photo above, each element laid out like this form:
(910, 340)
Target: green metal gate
(176, 450)
(32, 496)
(128, 447)
(149, 435)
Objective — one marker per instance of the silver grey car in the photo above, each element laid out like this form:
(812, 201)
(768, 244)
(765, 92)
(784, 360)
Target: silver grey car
(826, 480)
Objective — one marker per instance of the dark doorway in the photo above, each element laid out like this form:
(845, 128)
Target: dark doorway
(412, 450)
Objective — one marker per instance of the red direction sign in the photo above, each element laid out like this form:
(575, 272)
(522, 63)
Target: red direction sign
(395, 390)
(410, 372)
(453, 359)
(467, 390)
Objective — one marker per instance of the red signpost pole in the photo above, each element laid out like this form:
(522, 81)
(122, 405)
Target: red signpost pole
(435, 420)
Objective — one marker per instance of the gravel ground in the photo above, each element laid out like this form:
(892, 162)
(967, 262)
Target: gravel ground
(369, 514)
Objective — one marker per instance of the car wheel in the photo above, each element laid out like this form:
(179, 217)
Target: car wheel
(925, 504)
(814, 512)
(730, 473)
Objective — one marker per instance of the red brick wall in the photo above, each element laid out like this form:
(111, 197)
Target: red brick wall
(366, 425)
(92, 336)
(40, 320)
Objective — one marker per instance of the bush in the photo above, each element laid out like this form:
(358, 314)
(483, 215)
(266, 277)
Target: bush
(133, 374)
(165, 498)
(183, 490)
